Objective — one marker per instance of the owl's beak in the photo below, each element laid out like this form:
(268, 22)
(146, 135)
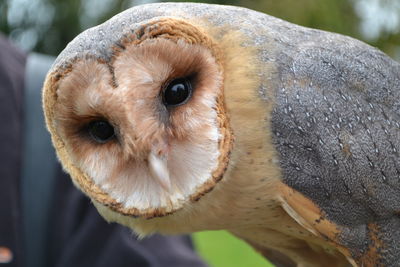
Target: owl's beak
(159, 170)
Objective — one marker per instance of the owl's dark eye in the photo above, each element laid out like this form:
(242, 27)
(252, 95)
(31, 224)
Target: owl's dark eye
(177, 92)
(100, 131)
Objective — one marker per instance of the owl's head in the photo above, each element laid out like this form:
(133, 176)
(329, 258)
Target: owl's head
(137, 115)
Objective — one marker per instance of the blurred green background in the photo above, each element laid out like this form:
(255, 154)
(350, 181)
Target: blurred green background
(221, 249)
(46, 26)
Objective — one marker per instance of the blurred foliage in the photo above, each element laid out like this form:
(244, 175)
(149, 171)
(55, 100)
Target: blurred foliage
(48, 25)
(65, 19)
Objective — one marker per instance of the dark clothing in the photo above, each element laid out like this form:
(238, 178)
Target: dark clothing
(75, 235)
(12, 65)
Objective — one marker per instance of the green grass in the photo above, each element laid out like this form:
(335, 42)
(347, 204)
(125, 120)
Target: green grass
(221, 249)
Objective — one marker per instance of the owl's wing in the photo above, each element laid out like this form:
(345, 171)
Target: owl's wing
(336, 126)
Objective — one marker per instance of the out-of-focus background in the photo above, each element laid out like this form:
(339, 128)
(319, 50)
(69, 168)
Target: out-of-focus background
(46, 26)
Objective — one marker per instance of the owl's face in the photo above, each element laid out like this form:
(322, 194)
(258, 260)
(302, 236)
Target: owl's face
(145, 132)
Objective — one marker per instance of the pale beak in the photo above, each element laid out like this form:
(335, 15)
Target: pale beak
(159, 170)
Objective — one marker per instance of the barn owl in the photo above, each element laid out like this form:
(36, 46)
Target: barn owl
(181, 117)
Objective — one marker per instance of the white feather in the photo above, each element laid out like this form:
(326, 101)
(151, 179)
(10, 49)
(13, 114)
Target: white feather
(159, 170)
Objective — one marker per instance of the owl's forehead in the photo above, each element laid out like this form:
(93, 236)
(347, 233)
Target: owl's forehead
(104, 41)
(151, 62)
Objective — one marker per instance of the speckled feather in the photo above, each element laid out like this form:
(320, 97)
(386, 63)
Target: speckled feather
(335, 121)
